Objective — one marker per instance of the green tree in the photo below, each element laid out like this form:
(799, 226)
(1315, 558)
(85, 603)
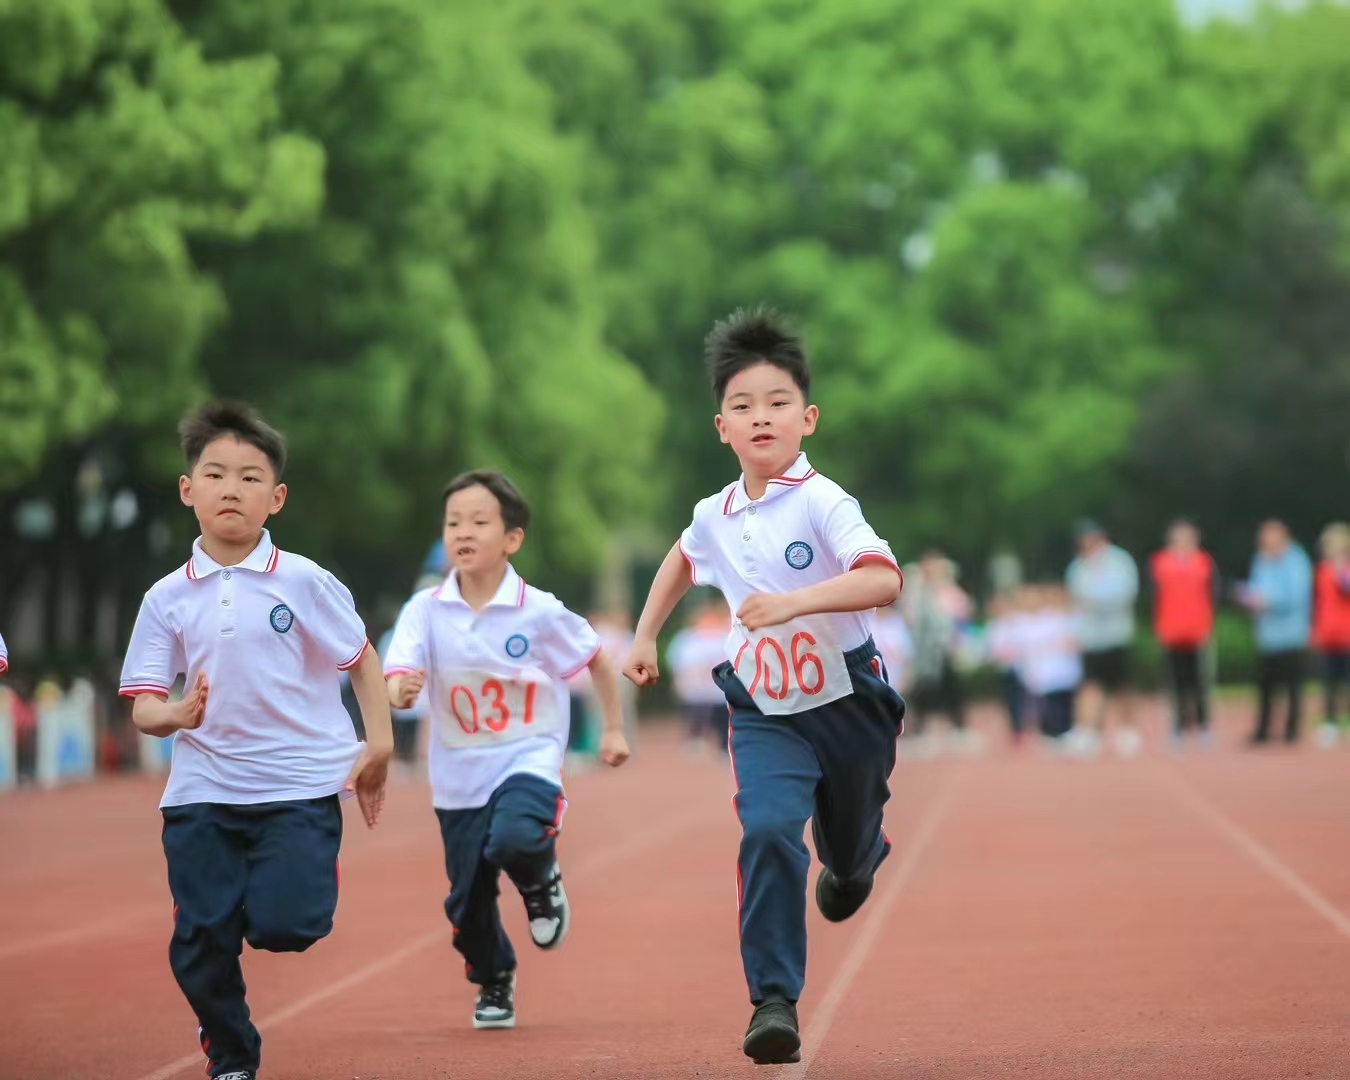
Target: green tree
(119, 144)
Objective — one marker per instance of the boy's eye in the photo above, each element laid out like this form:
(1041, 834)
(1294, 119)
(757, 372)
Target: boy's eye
(739, 408)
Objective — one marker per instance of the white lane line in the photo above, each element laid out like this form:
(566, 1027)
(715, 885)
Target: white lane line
(1258, 853)
(110, 925)
(880, 909)
(635, 845)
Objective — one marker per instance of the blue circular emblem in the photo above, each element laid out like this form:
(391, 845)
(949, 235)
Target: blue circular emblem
(517, 645)
(799, 555)
(282, 618)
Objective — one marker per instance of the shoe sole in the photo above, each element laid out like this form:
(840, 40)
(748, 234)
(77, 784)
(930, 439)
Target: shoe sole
(494, 1025)
(773, 1044)
(821, 901)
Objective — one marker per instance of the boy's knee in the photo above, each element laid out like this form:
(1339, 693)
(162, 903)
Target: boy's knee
(766, 830)
(521, 840)
(275, 932)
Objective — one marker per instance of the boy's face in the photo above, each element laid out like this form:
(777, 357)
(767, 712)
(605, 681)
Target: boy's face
(232, 489)
(475, 537)
(764, 418)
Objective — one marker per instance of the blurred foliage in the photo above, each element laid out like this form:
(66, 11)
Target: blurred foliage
(1051, 258)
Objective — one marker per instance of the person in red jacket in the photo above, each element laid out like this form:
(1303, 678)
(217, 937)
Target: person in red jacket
(1185, 583)
(1331, 624)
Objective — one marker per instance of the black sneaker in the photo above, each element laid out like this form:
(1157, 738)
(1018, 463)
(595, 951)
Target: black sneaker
(838, 900)
(496, 1007)
(548, 911)
(236, 1074)
(772, 1038)
(239, 1074)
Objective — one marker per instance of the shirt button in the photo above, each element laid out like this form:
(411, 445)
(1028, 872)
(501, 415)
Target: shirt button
(745, 536)
(227, 575)
(225, 602)
(751, 510)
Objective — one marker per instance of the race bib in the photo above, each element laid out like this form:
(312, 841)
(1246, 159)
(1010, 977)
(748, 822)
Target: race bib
(788, 668)
(476, 708)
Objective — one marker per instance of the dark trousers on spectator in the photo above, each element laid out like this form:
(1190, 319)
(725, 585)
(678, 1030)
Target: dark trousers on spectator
(1335, 680)
(1190, 699)
(1056, 713)
(1279, 672)
(943, 694)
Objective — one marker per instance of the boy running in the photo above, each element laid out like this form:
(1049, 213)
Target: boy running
(264, 747)
(494, 655)
(813, 719)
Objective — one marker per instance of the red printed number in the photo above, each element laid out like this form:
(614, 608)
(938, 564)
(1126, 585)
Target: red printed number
(801, 660)
(464, 706)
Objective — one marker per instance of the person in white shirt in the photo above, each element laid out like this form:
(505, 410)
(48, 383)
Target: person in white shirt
(4, 656)
(814, 723)
(1049, 663)
(263, 747)
(494, 655)
(895, 644)
(692, 654)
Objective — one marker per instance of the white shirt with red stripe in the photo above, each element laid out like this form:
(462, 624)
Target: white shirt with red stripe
(803, 530)
(496, 684)
(4, 657)
(271, 634)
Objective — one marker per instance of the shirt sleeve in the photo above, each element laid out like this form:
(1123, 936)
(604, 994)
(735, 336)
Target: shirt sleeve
(4, 657)
(695, 552)
(407, 649)
(154, 657)
(336, 627)
(850, 539)
(565, 643)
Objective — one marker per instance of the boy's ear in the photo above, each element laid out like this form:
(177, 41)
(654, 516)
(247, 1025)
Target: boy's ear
(514, 538)
(278, 499)
(811, 416)
(721, 426)
(185, 490)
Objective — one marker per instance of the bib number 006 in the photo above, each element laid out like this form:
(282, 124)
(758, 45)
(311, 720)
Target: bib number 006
(770, 660)
(795, 667)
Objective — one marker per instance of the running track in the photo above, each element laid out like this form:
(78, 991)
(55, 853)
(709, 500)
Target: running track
(1166, 917)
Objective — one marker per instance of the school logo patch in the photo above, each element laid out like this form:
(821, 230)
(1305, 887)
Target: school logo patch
(799, 555)
(517, 645)
(282, 618)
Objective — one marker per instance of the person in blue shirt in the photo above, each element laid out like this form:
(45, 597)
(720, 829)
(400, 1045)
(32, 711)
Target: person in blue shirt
(1279, 596)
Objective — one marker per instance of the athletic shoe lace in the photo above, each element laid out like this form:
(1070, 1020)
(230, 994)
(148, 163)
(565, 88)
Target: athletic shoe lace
(234, 1076)
(539, 900)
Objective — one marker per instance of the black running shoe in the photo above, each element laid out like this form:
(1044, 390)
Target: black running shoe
(548, 911)
(239, 1074)
(772, 1037)
(496, 1007)
(838, 900)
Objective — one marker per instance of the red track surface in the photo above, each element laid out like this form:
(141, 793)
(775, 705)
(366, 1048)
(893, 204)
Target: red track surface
(1164, 917)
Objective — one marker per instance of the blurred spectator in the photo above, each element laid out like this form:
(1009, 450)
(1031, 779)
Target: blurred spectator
(1048, 662)
(934, 608)
(1331, 625)
(1279, 594)
(1103, 583)
(1005, 634)
(693, 653)
(1185, 584)
(615, 630)
(896, 646)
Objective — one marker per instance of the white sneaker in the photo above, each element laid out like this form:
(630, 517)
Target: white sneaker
(548, 911)
(1128, 743)
(1082, 743)
(1327, 737)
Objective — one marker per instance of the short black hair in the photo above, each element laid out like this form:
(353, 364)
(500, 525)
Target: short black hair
(198, 430)
(515, 510)
(750, 336)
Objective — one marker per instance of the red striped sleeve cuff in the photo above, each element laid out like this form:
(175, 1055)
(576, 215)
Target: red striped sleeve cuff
(131, 690)
(390, 672)
(585, 663)
(359, 653)
(693, 578)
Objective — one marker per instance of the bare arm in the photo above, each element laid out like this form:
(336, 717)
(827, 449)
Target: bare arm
(672, 581)
(871, 585)
(160, 717)
(605, 680)
(368, 686)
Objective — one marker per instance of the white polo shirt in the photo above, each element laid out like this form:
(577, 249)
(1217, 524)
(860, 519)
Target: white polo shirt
(271, 635)
(803, 530)
(692, 655)
(495, 684)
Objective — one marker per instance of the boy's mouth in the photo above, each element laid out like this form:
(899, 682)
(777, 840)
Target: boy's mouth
(762, 439)
(463, 552)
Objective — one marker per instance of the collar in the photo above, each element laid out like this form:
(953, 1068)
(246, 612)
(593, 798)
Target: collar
(262, 559)
(789, 479)
(510, 593)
